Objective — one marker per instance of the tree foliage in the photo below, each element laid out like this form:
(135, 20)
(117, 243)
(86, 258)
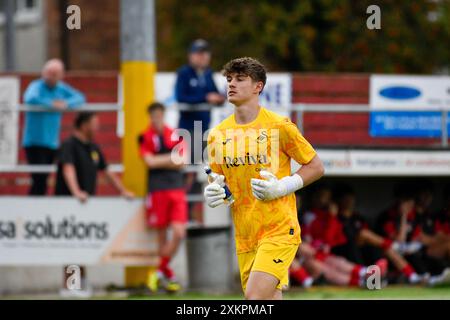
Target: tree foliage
(310, 35)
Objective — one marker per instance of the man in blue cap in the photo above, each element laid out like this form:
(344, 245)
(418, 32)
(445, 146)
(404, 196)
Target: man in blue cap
(195, 85)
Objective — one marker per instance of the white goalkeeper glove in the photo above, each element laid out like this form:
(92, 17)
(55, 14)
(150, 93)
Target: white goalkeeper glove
(215, 193)
(271, 188)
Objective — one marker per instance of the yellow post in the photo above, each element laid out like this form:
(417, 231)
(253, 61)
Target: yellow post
(138, 70)
(138, 85)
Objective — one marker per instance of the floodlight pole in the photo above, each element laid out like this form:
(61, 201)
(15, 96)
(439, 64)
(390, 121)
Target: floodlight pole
(138, 68)
(10, 36)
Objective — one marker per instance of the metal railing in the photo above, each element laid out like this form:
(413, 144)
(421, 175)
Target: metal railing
(94, 107)
(299, 108)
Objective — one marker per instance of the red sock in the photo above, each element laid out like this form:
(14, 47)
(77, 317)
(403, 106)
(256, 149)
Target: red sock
(354, 278)
(164, 267)
(387, 243)
(408, 270)
(299, 274)
(383, 265)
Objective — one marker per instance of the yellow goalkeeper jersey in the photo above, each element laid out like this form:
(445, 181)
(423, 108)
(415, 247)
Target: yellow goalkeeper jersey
(239, 152)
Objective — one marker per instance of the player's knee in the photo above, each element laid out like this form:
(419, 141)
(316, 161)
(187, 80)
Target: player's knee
(254, 295)
(179, 233)
(250, 295)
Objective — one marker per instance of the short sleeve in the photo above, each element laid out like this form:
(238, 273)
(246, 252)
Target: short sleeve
(66, 153)
(145, 145)
(212, 152)
(294, 144)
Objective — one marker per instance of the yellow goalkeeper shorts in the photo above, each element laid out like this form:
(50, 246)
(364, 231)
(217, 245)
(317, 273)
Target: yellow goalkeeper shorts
(269, 257)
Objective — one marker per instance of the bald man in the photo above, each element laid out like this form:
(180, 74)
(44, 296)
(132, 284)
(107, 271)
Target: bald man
(41, 130)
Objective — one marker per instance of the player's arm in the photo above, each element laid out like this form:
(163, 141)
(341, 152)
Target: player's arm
(311, 171)
(70, 177)
(405, 207)
(118, 185)
(403, 227)
(112, 177)
(174, 160)
(161, 161)
(298, 148)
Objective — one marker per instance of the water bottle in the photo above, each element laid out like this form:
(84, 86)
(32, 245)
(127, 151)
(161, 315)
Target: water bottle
(229, 199)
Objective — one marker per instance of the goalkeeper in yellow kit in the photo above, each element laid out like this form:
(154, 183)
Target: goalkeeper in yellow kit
(251, 152)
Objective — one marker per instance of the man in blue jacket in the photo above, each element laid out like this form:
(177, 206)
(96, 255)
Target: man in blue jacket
(41, 130)
(195, 85)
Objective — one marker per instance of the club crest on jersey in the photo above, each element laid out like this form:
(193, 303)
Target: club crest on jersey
(263, 137)
(94, 156)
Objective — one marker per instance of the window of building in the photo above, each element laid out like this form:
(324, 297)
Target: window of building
(25, 11)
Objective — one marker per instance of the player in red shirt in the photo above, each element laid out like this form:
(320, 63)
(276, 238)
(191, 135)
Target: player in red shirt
(322, 231)
(408, 222)
(166, 205)
(360, 236)
(434, 228)
(442, 224)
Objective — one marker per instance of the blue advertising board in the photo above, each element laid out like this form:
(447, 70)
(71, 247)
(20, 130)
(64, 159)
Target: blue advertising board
(407, 124)
(408, 106)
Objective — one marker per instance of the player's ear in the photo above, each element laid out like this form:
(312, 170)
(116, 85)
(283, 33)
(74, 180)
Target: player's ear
(259, 86)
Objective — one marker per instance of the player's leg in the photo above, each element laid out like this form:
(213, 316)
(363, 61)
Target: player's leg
(40, 156)
(357, 272)
(169, 248)
(400, 263)
(270, 270)
(278, 295)
(306, 251)
(176, 213)
(156, 217)
(366, 236)
(162, 241)
(262, 286)
(439, 247)
(178, 217)
(298, 270)
(339, 263)
(335, 276)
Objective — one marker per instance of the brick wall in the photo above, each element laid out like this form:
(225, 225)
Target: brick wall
(98, 87)
(96, 45)
(343, 129)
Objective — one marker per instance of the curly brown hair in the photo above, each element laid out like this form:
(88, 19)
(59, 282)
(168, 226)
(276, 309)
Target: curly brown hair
(246, 66)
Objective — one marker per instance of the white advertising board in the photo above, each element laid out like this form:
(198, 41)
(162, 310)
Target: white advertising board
(382, 162)
(60, 230)
(9, 120)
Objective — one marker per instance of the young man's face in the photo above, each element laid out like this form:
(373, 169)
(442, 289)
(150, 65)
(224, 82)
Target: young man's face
(157, 119)
(91, 127)
(241, 88)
